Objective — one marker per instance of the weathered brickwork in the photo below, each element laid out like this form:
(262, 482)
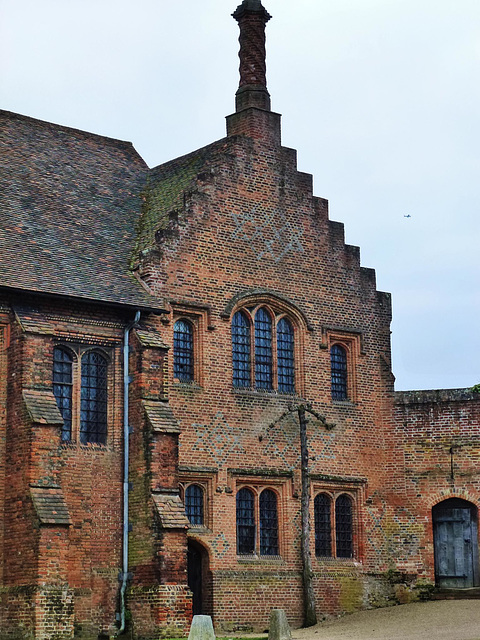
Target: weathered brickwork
(232, 228)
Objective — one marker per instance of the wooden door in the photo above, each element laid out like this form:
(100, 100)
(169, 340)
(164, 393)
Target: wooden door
(195, 577)
(455, 544)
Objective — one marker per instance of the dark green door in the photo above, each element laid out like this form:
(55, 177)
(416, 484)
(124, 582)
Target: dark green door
(455, 544)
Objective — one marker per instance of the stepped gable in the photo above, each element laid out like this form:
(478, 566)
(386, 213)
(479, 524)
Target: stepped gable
(70, 201)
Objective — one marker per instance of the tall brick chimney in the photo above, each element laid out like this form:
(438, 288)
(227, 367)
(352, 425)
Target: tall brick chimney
(252, 91)
(253, 116)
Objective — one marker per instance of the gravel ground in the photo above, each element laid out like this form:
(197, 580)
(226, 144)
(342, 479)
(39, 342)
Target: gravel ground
(438, 620)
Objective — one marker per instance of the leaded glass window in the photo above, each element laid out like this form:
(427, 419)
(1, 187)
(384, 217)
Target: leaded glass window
(323, 525)
(194, 504)
(62, 388)
(241, 350)
(183, 351)
(93, 403)
(263, 350)
(338, 358)
(245, 522)
(268, 523)
(344, 526)
(285, 361)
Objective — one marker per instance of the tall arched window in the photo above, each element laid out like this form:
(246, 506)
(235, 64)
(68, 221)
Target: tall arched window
(285, 361)
(183, 351)
(241, 350)
(268, 523)
(62, 388)
(93, 404)
(263, 349)
(323, 525)
(344, 526)
(245, 522)
(194, 504)
(338, 359)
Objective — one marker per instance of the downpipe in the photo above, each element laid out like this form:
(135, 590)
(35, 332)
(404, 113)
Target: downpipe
(126, 455)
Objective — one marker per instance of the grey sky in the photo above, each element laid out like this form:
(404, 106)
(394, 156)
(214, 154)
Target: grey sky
(380, 97)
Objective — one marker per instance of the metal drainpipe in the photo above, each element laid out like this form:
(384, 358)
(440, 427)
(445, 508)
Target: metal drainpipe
(126, 454)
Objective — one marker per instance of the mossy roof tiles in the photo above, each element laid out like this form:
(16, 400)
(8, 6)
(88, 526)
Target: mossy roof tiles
(69, 204)
(42, 407)
(171, 511)
(50, 505)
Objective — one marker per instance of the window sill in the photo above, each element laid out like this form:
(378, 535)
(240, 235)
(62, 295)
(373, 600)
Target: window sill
(186, 386)
(199, 529)
(329, 560)
(249, 559)
(344, 403)
(259, 393)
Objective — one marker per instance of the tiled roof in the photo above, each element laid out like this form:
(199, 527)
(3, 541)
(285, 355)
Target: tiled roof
(42, 406)
(171, 511)
(50, 505)
(150, 339)
(69, 204)
(160, 417)
(32, 320)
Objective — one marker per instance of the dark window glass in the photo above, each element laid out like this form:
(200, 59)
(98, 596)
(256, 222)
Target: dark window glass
(268, 523)
(241, 350)
(338, 357)
(344, 526)
(93, 405)
(323, 525)
(62, 388)
(245, 522)
(286, 368)
(194, 504)
(183, 351)
(263, 349)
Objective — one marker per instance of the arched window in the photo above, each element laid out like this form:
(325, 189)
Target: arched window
(263, 349)
(323, 525)
(338, 359)
(245, 522)
(62, 388)
(241, 350)
(285, 362)
(268, 523)
(194, 504)
(93, 404)
(344, 526)
(183, 351)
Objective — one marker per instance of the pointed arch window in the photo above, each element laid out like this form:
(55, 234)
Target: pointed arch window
(285, 356)
(183, 363)
(338, 360)
(93, 404)
(323, 525)
(194, 500)
(263, 350)
(63, 388)
(333, 526)
(241, 350)
(268, 523)
(245, 522)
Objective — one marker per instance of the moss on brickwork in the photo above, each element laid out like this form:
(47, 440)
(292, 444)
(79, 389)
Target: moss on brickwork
(351, 594)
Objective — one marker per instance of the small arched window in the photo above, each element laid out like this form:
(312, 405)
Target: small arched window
(344, 526)
(263, 349)
(194, 504)
(338, 359)
(241, 350)
(183, 351)
(323, 525)
(62, 388)
(245, 522)
(285, 353)
(93, 403)
(268, 523)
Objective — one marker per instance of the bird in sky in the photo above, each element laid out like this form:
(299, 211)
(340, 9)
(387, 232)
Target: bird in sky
(407, 216)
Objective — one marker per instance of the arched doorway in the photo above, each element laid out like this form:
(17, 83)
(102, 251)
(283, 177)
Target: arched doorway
(455, 539)
(198, 576)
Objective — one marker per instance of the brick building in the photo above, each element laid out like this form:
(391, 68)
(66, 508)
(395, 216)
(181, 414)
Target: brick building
(159, 345)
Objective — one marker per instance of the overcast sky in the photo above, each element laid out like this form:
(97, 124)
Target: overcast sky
(381, 98)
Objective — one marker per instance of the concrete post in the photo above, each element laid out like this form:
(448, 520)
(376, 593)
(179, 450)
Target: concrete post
(201, 629)
(278, 628)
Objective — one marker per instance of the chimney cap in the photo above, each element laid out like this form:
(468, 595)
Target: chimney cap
(251, 6)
